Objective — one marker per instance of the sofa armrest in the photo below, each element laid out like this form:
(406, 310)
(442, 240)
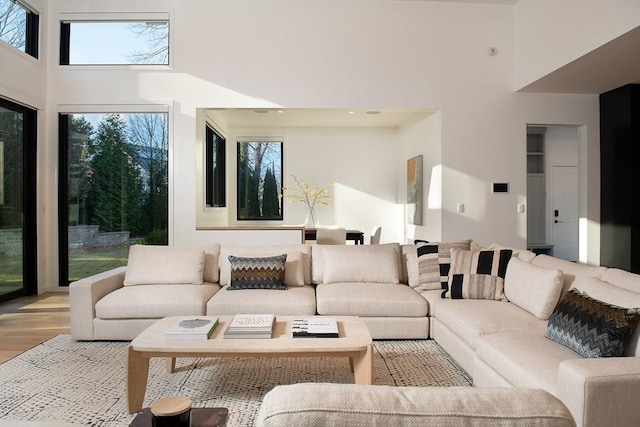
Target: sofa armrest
(601, 391)
(83, 296)
(323, 404)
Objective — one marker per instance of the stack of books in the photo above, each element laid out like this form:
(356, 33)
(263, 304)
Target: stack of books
(251, 326)
(315, 327)
(193, 328)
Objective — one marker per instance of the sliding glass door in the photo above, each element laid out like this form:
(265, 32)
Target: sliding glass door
(17, 200)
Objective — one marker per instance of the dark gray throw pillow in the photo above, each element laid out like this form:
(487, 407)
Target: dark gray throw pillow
(590, 327)
(257, 272)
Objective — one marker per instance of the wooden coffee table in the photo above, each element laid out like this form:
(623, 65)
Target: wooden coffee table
(354, 342)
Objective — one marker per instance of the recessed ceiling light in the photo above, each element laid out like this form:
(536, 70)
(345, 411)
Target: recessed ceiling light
(373, 112)
(351, 112)
(261, 111)
(280, 111)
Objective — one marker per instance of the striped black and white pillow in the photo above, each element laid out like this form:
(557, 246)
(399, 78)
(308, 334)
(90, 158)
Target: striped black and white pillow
(477, 274)
(434, 259)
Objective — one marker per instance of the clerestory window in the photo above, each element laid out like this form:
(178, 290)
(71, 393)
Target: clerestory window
(19, 26)
(126, 42)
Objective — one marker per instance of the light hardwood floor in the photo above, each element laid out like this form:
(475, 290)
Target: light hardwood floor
(26, 322)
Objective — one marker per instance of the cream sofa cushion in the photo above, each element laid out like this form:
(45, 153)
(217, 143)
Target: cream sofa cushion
(298, 300)
(470, 319)
(360, 263)
(322, 404)
(318, 264)
(369, 299)
(620, 278)
(155, 301)
(153, 265)
(297, 268)
(570, 270)
(524, 359)
(522, 254)
(533, 288)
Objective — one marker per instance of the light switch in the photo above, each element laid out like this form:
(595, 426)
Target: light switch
(460, 207)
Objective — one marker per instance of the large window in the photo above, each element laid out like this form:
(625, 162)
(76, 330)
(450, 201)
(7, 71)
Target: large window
(215, 170)
(259, 180)
(17, 200)
(19, 26)
(113, 189)
(114, 42)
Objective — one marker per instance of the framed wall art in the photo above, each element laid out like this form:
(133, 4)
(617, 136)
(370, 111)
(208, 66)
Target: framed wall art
(414, 190)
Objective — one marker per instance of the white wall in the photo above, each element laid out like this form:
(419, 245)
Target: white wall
(550, 34)
(423, 137)
(395, 55)
(360, 162)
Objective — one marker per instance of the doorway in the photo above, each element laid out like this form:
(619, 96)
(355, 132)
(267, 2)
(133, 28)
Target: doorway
(552, 190)
(18, 268)
(564, 231)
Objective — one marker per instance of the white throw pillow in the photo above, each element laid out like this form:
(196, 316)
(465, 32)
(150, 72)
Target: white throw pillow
(523, 254)
(607, 292)
(532, 288)
(358, 263)
(294, 268)
(159, 265)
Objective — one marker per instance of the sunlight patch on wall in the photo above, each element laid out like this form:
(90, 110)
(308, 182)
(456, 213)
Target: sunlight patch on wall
(583, 224)
(355, 209)
(434, 197)
(467, 190)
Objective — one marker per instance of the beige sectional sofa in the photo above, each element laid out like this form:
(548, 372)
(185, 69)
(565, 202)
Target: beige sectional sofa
(500, 343)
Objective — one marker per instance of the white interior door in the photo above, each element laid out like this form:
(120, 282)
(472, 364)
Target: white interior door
(565, 212)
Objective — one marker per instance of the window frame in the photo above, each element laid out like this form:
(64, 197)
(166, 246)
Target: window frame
(239, 205)
(29, 200)
(63, 164)
(216, 179)
(31, 31)
(67, 19)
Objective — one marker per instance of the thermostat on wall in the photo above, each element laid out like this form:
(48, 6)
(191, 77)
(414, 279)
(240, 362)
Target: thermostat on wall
(500, 187)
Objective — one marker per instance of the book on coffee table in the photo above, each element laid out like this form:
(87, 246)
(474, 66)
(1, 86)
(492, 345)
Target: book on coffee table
(315, 327)
(192, 328)
(251, 326)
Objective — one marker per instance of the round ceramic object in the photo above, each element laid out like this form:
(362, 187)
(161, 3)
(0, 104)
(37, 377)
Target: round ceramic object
(171, 412)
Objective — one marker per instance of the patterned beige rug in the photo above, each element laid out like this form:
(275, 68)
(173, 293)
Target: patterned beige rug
(83, 382)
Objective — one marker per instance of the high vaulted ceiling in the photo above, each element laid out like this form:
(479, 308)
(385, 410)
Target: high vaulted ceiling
(610, 66)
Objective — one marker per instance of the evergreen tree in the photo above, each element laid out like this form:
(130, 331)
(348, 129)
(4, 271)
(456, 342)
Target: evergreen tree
(148, 135)
(116, 187)
(80, 134)
(270, 199)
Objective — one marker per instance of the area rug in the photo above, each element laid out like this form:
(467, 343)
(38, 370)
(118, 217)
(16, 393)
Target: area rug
(84, 382)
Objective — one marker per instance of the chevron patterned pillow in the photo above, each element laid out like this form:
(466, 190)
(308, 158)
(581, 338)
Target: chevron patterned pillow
(257, 272)
(590, 327)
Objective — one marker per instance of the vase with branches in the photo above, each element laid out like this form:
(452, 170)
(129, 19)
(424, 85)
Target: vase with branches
(310, 197)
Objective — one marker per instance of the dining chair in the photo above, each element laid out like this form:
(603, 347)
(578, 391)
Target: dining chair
(331, 236)
(375, 235)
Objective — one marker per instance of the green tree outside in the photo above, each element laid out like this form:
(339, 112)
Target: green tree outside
(270, 199)
(116, 187)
